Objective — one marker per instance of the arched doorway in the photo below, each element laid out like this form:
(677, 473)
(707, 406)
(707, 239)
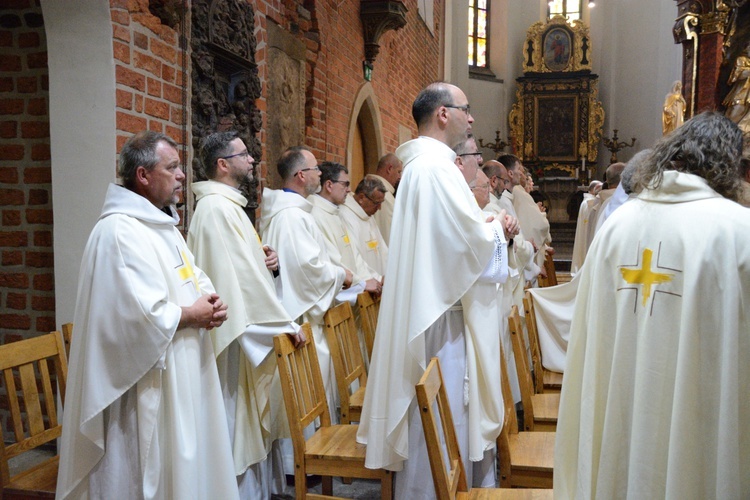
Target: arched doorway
(365, 141)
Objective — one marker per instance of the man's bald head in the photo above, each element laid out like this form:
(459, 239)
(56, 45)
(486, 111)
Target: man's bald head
(498, 176)
(613, 174)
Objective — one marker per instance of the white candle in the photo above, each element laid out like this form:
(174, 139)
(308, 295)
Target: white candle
(583, 165)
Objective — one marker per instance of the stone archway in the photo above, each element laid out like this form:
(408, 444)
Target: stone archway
(364, 145)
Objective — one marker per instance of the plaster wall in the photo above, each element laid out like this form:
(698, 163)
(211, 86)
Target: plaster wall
(82, 118)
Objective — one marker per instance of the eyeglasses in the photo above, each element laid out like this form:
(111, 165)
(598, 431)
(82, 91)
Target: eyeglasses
(306, 169)
(244, 154)
(343, 183)
(465, 108)
(471, 154)
(373, 201)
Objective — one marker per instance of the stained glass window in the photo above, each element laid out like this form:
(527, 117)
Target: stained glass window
(478, 33)
(568, 8)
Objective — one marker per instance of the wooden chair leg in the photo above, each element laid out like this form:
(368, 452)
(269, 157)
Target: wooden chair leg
(386, 486)
(300, 483)
(327, 486)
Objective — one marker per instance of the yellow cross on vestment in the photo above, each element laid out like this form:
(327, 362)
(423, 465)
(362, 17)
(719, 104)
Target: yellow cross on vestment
(185, 271)
(645, 276)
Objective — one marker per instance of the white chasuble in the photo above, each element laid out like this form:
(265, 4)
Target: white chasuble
(340, 247)
(656, 398)
(533, 222)
(365, 235)
(384, 216)
(439, 247)
(581, 241)
(309, 279)
(228, 249)
(144, 416)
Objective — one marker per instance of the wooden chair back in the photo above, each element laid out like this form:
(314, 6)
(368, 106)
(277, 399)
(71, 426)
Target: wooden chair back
(369, 308)
(302, 385)
(545, 381)
(33, 413)
(522, 368)
(348, 365)
(67, 333)
(536, 354)
(332, 450)
(549, 268)
(449, 478)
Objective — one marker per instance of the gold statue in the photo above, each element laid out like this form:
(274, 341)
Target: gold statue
(737, 100)
(674, 109)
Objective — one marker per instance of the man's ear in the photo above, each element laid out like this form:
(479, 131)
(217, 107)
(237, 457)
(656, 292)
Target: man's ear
(222, 165)
(141, 177)
(460, 163)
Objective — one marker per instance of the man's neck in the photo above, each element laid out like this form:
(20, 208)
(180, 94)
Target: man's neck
(294, 189)
(329, 200)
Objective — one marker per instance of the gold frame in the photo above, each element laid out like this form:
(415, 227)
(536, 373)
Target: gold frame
(579, 57)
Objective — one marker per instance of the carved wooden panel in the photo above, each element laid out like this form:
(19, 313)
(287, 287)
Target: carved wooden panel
(286, 96)
(224, 80)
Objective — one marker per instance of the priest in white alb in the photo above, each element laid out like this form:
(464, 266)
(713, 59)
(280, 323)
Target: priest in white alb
(533, 221)
(144, 415)
(581, 240)
(326, 207)
(656, 398)
(310, 280)
(228, 249)
(389, 173)
(439, 300)
(357, 213)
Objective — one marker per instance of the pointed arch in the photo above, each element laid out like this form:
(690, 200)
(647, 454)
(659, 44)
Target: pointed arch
(364, 144)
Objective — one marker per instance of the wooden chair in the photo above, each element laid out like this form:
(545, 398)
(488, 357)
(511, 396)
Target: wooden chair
(526, 458)
(348, 365)
(450, 479)
(544, 380)
(32, 425)
(549, 268)
(539, 410)
(67, 333)
(332, 450)
(369, 308)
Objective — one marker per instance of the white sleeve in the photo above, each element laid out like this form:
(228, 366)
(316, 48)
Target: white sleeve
(496, 270)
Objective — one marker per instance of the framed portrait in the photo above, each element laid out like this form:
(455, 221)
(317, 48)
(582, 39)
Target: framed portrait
(557, 45)
(556, 127)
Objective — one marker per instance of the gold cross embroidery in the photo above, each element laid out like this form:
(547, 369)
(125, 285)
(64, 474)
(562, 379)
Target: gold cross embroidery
(645, 276)
(185, 271)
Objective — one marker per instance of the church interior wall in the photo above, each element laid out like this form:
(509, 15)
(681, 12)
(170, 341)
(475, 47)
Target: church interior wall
(637, 61)
(332, 33)
(633, 53)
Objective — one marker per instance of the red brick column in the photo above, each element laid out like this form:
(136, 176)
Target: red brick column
(27, 302)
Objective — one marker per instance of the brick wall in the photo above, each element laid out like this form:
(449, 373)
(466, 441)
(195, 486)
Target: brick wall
(332, 31)
(27, 302)
(148, 73)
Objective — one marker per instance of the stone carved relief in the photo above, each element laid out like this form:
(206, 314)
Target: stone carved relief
(286, 97)
(225, 81)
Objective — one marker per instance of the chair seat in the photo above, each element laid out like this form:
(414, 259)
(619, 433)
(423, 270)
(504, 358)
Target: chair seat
(546, 407)
(337, 440)
(532, 451)
(552, 380)
(38, 481)
(505, 494)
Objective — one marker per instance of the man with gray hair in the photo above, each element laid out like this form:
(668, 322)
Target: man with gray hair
(357, 213)
(144, 414)
(660, 337)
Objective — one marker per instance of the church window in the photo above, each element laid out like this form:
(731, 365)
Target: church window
(568, 8)
(479, 14)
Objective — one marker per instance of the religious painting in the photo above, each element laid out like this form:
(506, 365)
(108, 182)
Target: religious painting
(557, 52)
(556, 133)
